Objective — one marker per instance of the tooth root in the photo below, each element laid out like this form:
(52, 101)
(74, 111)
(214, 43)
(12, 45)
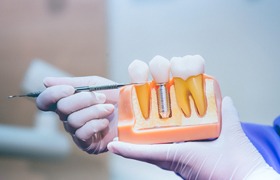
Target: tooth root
(143, 95)
(182, 94)
(196, 88)
(139, 72)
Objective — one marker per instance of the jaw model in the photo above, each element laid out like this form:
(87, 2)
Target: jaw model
(191, 102)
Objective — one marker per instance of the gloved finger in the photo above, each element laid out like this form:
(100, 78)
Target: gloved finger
(230, 119)
(112, 95)
(91, 128)
(99, 111)
(47, 100)
(73, 81)
(76, 81)
(68, 128)
(146, 153)
(100, 141)
(228, 107)
(96, 147)
(79, 101)
(90, 146)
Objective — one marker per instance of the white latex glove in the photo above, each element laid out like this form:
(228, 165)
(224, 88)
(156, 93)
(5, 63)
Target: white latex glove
(90, 117)
(231, 156)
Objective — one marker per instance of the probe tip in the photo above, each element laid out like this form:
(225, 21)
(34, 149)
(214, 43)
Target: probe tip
(11, 96)
(14, 96)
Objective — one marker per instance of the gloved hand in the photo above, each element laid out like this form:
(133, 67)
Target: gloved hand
(90, 117)
(231, 156)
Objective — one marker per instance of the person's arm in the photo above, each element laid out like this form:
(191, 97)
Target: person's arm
(266, 140)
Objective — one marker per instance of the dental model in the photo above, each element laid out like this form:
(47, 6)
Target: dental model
(185, 107)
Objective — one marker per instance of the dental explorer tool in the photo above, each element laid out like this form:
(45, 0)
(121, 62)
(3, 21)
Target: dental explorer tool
(78, 89)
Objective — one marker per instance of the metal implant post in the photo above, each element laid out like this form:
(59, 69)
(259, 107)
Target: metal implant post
(163, 100)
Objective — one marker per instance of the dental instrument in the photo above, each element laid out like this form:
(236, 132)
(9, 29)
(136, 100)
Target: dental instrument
(78, 89)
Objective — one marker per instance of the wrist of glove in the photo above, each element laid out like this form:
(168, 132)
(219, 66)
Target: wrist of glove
(231, 156)
(90, 117)
(264, 173)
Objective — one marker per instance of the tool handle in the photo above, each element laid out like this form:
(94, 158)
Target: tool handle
(78, 89)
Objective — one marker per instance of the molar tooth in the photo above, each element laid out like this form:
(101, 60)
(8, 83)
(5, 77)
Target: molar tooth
(187, 66)
(188, 81)
(160, 70)
(139, 72)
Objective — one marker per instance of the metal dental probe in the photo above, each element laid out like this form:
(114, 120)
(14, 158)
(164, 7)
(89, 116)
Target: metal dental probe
(79, 89)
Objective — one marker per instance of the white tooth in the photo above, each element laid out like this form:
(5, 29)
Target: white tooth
(187, 66)
(138, 71)
(160, 69)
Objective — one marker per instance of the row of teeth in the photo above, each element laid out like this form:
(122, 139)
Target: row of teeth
(185, 71)
(160, 67)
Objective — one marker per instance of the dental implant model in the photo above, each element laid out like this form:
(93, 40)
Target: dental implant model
(160, 69)
(185, 107)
